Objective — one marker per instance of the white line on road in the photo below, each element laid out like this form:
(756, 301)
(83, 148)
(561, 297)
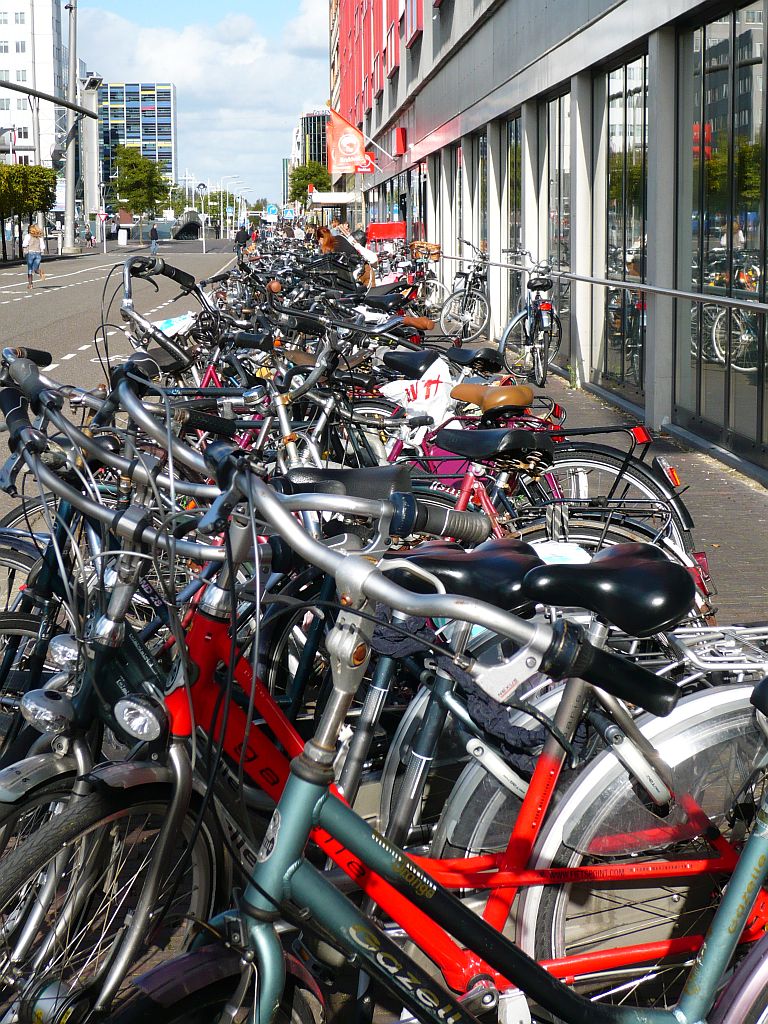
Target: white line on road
(70, 356)
(84, 347)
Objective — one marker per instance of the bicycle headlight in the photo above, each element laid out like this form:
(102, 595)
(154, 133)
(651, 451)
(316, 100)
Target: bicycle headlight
(48, 710)
(140, 719)
(63, 651)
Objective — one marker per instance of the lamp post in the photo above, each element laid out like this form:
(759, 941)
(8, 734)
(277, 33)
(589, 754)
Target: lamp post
(234, 179)
(70, 169)
(202, 188)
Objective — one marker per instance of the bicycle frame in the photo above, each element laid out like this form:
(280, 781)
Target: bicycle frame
(282, 874)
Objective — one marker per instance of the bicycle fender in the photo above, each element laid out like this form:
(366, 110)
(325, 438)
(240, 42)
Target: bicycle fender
(19, 541)
(21, 778)
(192, 972)
(129, 774)
(654, 472)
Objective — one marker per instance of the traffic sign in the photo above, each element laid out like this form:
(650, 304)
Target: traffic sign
(288, 213)
(103, 215)
(272, 210)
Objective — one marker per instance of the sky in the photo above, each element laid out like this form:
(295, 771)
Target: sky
(243, 70)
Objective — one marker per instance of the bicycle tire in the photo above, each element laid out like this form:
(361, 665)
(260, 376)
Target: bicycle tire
(99, 839)
(518, 359)
(435, 294)
(458, 317)
(728, 331)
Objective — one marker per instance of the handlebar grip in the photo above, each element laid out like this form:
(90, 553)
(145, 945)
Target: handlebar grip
(15, 410)
(210, 424)
(572, 655)
(415, 516)
(216, 278)
(181, 277)
(24, 374)
(250, 339)
(467, 527)
(36, 355)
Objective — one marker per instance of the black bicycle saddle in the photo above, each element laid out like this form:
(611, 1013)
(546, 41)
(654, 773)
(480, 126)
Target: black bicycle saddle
(410, 365)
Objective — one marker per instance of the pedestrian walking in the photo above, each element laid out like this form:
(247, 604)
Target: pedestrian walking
(33, 246)
(88, 237)
(153, 240)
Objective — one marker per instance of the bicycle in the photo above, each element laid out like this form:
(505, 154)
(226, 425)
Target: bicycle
(531, 340)
(283, 883)
(466, 311)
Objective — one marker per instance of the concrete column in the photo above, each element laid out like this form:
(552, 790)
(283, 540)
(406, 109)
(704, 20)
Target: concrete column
(433, 198)
(659, 355)
(531, 172)
(496, 223)
(468, 174)
(447, 236)
(581, 222)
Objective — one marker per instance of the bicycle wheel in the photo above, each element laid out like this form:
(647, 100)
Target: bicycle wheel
(434, 295)
(718, 753)
(68, 892)
(465, 314)
(595, 478)
(15, 567)
(722, 761)
(518, 350)
(735, 339)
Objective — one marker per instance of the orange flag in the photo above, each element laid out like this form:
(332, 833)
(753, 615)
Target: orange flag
(345, 145)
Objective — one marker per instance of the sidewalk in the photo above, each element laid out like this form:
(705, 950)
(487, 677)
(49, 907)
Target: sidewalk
(730, 510)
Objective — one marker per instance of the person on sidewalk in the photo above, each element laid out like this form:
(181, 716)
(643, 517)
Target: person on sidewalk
(88, 237)
(241, 240)
(33, 246)
(153, 239)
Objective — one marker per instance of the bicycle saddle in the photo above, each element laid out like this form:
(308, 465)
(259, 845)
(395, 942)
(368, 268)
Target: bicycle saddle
(383, 290)
(492, 572)
(155, 362)
(539, 284)
(386, 302)
(485, 357)
(491, 399)
(374, 482)
(494, 444)
(633, 586)
(410, 365)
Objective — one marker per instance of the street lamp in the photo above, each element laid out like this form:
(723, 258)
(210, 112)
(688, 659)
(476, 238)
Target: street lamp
(202, 188)
(235, 179)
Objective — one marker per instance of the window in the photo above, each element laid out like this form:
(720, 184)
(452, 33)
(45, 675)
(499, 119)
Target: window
(21, 46)
(3, 17)
(22, 133)
(23, 158)
(3, 46)
(4, 76)
(624, 349)
(22, 104)
(720, 370)
(514, 205)
(558, 118)
(414, 20)
(20, 17)
(5, 104)
(21, 76)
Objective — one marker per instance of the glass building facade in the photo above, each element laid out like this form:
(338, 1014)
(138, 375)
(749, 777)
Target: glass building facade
(141, 116)
(629, 151)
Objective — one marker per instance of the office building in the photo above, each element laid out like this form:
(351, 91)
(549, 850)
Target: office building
(624, 143)
(141, 115)
(31, 54)
(309, 138)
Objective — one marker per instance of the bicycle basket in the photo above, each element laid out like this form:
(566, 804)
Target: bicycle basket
(426, 250)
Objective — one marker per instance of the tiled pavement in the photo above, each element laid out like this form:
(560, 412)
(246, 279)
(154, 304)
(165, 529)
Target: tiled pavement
(730, 510)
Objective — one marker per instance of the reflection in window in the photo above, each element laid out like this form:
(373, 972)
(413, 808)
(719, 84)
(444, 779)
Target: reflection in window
(514, 202)
(720, 363)
(559, 209)
(625, 311)
(482, 190)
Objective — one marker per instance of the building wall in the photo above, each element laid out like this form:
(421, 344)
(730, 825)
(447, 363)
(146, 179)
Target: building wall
(624, 142)
(141, 115)
(30, 29)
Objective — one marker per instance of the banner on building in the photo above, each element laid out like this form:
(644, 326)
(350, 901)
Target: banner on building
(345, 145)
(368, 166)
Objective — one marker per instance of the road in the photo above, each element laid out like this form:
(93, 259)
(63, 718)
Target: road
(63, 313)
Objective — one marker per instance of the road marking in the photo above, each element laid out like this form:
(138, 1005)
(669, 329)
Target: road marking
(70, 356)
(52, 366)
(83, 348)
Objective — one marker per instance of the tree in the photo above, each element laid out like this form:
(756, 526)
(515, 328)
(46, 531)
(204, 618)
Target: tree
(141, 183)
(302, 176)
(25, 190)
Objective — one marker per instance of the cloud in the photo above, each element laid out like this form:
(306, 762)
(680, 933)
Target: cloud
(238, 92)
